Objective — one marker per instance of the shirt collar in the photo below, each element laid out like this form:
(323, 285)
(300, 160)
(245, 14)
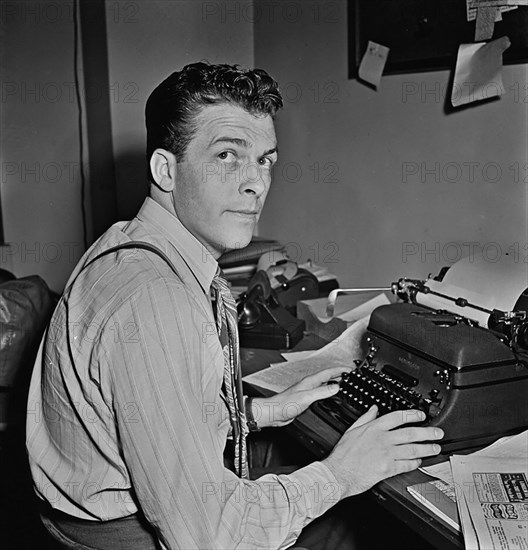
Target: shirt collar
(181, 240)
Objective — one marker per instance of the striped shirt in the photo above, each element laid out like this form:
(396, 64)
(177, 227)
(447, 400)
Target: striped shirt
(125, 409)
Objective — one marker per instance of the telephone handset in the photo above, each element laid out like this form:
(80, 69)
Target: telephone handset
(266, 315)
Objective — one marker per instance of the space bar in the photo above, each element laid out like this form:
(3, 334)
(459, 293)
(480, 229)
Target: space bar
(336, 412)
(348, 414)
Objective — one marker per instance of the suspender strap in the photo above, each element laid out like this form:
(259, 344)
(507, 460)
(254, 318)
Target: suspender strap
(134, 245)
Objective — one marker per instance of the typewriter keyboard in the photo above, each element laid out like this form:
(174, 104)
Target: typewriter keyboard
(364, 387)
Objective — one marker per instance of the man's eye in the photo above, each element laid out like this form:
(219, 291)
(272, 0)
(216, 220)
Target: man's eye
(227, 155)
(266, 161)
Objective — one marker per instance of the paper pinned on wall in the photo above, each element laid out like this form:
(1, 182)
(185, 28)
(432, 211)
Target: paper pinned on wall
(486, 17)
(478, 73)
(477, 3)
(472, 5)
(373, 63)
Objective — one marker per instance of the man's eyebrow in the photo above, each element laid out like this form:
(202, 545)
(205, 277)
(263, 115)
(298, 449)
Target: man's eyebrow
(226, 139)
(242, 143)
(270, 151)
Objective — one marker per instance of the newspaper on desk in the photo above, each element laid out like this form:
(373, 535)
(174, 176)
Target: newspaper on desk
(440, 494)
(511, 446)
(492, 498)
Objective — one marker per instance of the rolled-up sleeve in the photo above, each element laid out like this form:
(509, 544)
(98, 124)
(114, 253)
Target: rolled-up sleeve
(164, 382)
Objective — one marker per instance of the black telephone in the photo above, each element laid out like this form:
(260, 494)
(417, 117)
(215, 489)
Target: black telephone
(266, 315)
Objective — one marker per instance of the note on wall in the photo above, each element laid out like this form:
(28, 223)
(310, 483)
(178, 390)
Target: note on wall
(373, 63)
(478, 73)
(472, 5)
(486, 17)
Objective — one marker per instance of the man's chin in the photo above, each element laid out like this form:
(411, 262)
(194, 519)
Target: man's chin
(236, 243)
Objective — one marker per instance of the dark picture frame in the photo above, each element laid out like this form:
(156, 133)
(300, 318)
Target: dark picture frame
(424, 35)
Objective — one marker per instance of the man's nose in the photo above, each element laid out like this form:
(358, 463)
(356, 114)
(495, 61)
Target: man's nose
(254, 179)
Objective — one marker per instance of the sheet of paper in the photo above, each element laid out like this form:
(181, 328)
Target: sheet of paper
(348, 309)
(495, 491)
(485, 269)
(468, 529)
(471, 9)
(483, 281)
(373, 63)
(351, 314)
(297, 355)
(477, 3)
(513, 446)
(365, 309)
(478, 73)
(485, 25)
(340, 352)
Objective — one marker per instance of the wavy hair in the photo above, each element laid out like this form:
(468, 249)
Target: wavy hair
(172, 107)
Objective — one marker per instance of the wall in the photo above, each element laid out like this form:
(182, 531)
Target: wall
(378, 185)
(41, 201)
(352, 190)
(147, 41)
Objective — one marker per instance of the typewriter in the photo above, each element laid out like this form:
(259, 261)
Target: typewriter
(467, 372)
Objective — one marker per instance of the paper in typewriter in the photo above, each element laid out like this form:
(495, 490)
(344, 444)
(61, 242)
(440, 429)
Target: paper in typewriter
(482, 281)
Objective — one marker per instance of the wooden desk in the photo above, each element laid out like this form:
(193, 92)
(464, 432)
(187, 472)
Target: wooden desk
(319, 438)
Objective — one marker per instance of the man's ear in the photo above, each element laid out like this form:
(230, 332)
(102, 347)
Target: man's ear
(163, 168)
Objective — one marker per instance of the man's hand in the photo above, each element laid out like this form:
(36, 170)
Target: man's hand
(282, 408)
(373, 449)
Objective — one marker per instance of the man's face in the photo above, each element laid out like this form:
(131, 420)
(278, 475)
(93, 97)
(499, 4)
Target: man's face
(223, 180)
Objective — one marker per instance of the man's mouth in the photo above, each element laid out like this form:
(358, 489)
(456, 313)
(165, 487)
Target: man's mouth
(245, 213)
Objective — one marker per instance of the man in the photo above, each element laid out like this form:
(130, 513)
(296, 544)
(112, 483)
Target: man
(137, 386)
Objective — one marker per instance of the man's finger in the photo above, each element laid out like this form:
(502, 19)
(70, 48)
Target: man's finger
(306, 397)
(410, 435)
(321, 377)
(399, 418)
(412, 451)
(370, 415)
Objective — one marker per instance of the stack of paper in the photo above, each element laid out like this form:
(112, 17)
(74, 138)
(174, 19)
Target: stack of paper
(341, 352)
(348, 310)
